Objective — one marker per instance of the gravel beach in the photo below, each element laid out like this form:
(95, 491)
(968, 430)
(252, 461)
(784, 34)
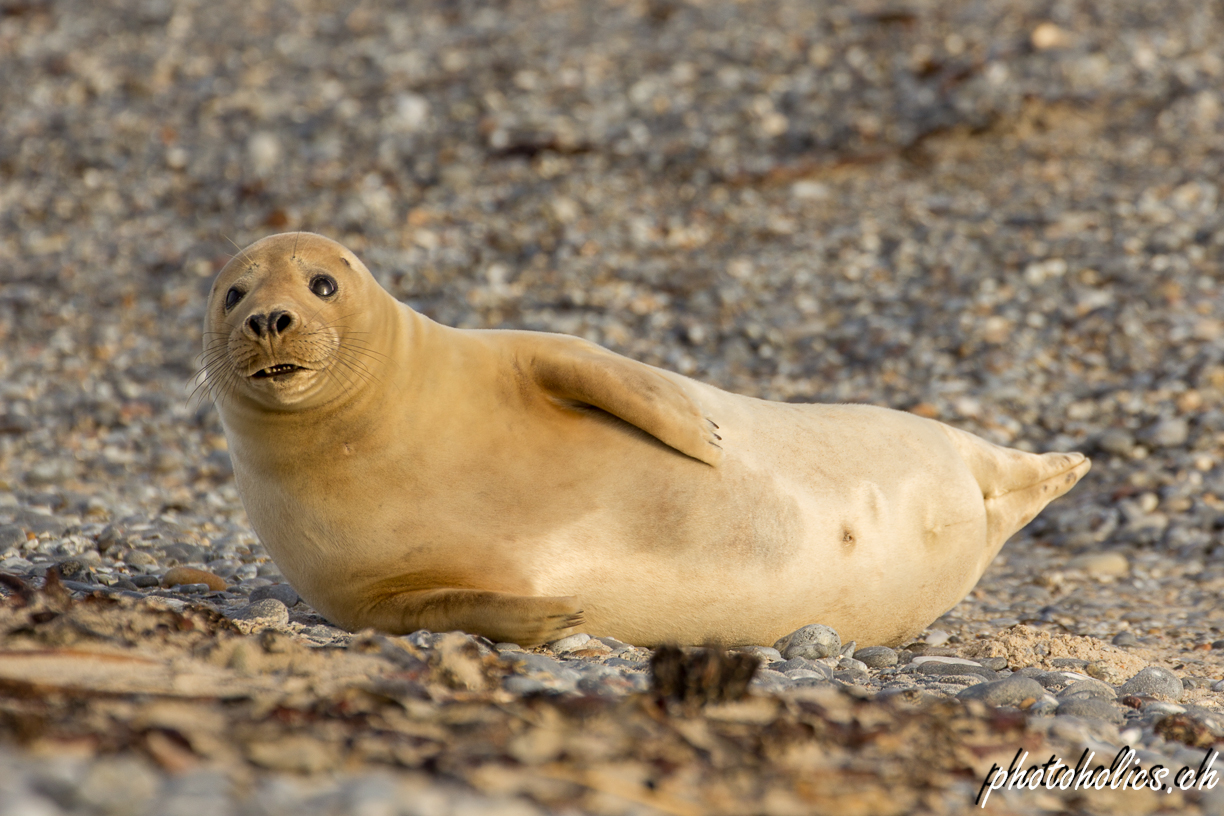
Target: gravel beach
(1002, 215)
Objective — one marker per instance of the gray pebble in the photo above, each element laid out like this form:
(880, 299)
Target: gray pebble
(941, 669)
(1168, 433)
(877, 657)
(11, 535)
(1091, 709)
(1157, 709)
(1156, 682)
(623, 662)
(853, 677)
(813, 641)
(1045, 706)
(522, 686)
(850, 664)
(145, 581)
(1010, 691)
(1072, 663)
(280, 592)
(268, 611)
(994, 663)
(1090, 687)
(1125, 640)
(767, 654)
(1117, 441)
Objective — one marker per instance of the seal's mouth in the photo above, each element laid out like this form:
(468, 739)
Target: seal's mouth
(276, 371)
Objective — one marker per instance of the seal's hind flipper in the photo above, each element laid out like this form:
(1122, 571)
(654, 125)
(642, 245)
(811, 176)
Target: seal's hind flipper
(1016, 485)
(568, 368)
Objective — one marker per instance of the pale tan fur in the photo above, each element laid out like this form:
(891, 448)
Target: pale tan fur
(519, 484)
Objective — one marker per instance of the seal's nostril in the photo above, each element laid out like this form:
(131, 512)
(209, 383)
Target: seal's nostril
(279, 322)
(255, 322)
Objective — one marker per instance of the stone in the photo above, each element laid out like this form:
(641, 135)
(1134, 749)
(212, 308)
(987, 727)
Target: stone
(569, 644)
(767, 654)
(1010, 691)
(1089, 688)
(1157, 682)
(190, 575)
(279, 592)
(1167, 433)
(876, 657)
(1106, 672)
(814, 641)
(1117, 441)
(941, 669)
(11, 535)
(269, 612)
(1091, 708)
(1125, 639)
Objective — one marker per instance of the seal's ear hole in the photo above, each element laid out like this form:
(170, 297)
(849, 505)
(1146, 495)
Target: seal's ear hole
(344, 261)
(323, 285)
(232, 297)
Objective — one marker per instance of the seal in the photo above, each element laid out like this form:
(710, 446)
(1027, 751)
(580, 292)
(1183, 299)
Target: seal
(405, 475)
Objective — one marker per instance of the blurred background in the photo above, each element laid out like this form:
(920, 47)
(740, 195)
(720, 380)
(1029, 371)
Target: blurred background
(1001, 214)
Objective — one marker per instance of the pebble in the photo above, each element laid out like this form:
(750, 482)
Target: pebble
(941, 669)
(269, 612)
(1156, 682)
(1117, 441)
(1168, 433)
(1125, 639)
(1091, 708)
(876, 657)
(284, 593)
(570, 644)
(767, 654)
(813, 641)
(1010, 691)
(1089, 688)
(1106, 672)
(189, 575)
(1106, 564)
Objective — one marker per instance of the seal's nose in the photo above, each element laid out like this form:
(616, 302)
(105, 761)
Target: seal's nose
(276, 322)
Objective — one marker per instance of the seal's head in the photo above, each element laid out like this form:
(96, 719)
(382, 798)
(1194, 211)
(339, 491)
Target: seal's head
(287, 324)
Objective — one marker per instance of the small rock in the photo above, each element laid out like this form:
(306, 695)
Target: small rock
(813, 641)
(1117, 441)
(1091, 708)
(936, 637)
(949, 659)
(1089, 688)
(280, 592)
(190, 575)
(145, 581)
(1010, 691)
(767, 654)
(11, 535)
(569, 644)
(1156, 682)
(1167, 433)
(1044, 707)
(852, 677)
(269, 611)
(523, 686)
(994, 663)
(852, 664)
(876, 657)
(1125, 639)
(1218, 686)
(941, 669)
(1072, 663)
(73, 569)
(1106, 564)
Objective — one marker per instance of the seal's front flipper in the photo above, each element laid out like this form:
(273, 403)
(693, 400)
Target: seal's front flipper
(501, 617)
(569, 368)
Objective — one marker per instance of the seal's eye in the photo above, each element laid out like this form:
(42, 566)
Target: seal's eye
(323, 285)
(232, 297)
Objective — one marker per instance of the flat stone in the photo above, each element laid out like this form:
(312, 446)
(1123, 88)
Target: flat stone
(1118, 441)
(951, 661)
(1010, 691)
(570, 644)
(876, 657)
(280, 592)
(268, 611)
(1091, 688)
(1092, 709)
(1155, 682)
(813, 641)
(1125, 639)
(1167, 433)
(767, 654)
(940, 669)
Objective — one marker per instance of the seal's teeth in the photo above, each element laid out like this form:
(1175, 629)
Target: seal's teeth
(279, 368)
